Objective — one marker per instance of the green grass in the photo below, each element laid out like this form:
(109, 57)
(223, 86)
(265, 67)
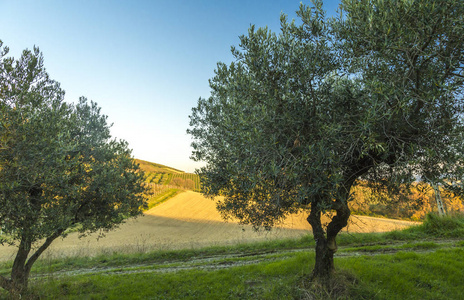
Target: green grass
(434, 227)
(160, 198)
(404, 275)
(257, 281)
(423, 262)
(156, 257)
(408, 275)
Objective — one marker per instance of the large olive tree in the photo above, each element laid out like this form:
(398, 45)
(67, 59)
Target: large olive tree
(299, 117)
(59, 167)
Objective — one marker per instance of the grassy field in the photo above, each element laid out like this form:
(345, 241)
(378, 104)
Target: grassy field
(189, 220)
(422, 262)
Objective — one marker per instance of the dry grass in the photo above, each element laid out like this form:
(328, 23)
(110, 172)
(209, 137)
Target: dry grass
(335, 288)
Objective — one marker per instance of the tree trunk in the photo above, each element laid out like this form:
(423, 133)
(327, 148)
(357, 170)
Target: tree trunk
(22, 265)
(19, 272)
(324, 264)
(326, 246)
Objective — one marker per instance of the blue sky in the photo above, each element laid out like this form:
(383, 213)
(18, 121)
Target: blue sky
(145, 63)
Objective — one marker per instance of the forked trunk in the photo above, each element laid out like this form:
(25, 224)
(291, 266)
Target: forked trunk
(326, 245)
(324, 264)
(21, 269)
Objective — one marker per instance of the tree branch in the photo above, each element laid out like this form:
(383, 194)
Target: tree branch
(314, 219)
(42, 248)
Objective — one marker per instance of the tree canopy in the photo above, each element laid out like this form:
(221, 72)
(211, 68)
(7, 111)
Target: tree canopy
(59, 166)
(300, 116)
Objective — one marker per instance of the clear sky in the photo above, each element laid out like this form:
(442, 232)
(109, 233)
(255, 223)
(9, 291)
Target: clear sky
(145, 63)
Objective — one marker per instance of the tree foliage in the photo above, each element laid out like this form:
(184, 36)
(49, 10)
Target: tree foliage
(59, 167)
(300, 116)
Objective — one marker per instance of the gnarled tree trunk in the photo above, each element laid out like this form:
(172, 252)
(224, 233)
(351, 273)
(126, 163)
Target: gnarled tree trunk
(326, 244)
(324, 256)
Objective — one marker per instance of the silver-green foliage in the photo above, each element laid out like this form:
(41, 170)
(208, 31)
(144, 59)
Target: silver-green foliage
(59, 166)
(299, 116)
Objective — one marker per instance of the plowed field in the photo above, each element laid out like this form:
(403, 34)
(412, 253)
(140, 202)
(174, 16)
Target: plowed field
(190, 221)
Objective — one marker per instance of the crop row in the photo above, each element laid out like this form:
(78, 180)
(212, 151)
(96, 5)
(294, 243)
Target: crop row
(188, 181)
(158, 178)
(157, 189)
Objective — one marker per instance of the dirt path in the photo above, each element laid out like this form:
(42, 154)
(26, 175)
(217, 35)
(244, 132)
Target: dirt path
(225, 261)
(189, 221)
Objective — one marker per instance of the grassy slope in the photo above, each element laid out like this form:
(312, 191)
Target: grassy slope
(424, 262)
(156, 168)
(162, 197)
(160, 177)
(164, 175)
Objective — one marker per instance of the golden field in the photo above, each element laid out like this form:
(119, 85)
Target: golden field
(189, 220)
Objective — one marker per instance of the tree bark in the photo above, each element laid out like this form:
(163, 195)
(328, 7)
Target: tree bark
(324, 264)
(42, 248)
(19, 276)
(22, 265)
(326, 246)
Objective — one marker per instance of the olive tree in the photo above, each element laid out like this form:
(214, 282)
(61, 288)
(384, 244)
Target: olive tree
(299, 117)
(59, 166)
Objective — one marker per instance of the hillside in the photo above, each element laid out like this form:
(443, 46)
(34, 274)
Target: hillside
(164, 179)
(156, 168)
(412, 204)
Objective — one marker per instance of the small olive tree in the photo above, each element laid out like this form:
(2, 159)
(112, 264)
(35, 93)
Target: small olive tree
(299, 117)
(59, 167)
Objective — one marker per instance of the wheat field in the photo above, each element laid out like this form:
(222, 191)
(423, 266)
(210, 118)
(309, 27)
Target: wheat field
(189, 220)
